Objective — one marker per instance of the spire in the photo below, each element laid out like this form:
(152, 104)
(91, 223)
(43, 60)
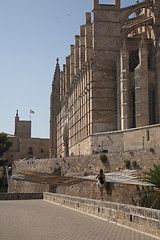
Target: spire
(56, 73)
(17, 114)
(57, 64)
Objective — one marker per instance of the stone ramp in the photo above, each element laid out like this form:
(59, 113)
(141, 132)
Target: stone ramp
(39, 220)
(139, 218)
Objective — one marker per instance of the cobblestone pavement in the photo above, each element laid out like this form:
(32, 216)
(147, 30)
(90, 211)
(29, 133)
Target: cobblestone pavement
(39, 219)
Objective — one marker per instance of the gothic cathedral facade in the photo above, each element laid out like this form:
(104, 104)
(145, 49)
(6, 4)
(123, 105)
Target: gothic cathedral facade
(111, 79)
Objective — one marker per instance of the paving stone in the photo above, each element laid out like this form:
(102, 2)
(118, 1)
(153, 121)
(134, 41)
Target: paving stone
(39, 220)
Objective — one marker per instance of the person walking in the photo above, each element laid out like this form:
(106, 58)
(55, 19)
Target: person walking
(101, 182)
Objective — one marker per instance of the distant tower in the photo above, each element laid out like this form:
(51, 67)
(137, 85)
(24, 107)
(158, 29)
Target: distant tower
(22, 128)
(117, 3)
(16, 122)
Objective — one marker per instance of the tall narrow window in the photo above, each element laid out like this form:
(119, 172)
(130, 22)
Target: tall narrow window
(133, 109)
(152, 117)
(30, 150)
(148, 136)
(133, 60)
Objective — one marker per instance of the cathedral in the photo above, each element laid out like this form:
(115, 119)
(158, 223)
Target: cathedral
(110, 82)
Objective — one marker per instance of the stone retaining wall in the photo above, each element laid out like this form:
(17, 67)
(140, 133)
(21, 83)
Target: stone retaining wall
(20, 196)
(143, 219)
(83, 165)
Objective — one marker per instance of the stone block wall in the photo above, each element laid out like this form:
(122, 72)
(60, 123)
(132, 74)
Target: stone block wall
(26, 147)
(20, 196)
(24, 187)
(89, 164)
(82, 166)
(135, 139)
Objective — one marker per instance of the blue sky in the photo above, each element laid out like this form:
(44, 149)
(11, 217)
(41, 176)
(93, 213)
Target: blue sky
(33, 33)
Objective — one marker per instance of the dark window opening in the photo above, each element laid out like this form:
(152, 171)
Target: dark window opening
(133, 109)
(133, 60)
(42, 150)
(151, 58)
(30, 150)
(152, 106)
(148, 136)
(151, 62)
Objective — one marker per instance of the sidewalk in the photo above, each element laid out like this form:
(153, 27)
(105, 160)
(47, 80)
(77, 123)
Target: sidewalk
(42, 220)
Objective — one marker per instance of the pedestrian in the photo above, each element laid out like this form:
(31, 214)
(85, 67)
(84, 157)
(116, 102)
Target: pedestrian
(101, 182)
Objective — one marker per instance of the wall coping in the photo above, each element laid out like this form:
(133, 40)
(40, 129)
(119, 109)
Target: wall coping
(126, 130)
(20, 196)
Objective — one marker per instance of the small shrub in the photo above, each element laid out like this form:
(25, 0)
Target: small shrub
(85, 174)
(132, 153)
(152, 150)
(134, 164)
(3, 162)
(127, 164)
(103, 157)
(57, 171)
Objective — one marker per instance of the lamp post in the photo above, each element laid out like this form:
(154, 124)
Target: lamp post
(79, 149)
(6, 168)
(143, 142)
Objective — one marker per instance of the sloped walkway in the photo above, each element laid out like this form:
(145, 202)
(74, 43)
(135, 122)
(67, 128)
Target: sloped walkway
(39, 220)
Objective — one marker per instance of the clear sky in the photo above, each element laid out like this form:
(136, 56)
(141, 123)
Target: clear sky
(33, 33)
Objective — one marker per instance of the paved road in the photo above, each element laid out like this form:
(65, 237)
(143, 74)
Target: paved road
(42, 220)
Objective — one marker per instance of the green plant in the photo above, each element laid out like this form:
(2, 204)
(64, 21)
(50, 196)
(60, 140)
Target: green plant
(127, 164)
(152, 150)
(3, 162)
(85, 174)
(103, 158)
(134, 164)
(151, 197)
(57, 171)
(132, 153)
(153, 176)
(5, 144)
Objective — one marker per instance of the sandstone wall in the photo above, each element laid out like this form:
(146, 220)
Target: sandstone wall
(20, 196)
(82, 166)
(135, 139)
(85, 165)
(26, 147)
